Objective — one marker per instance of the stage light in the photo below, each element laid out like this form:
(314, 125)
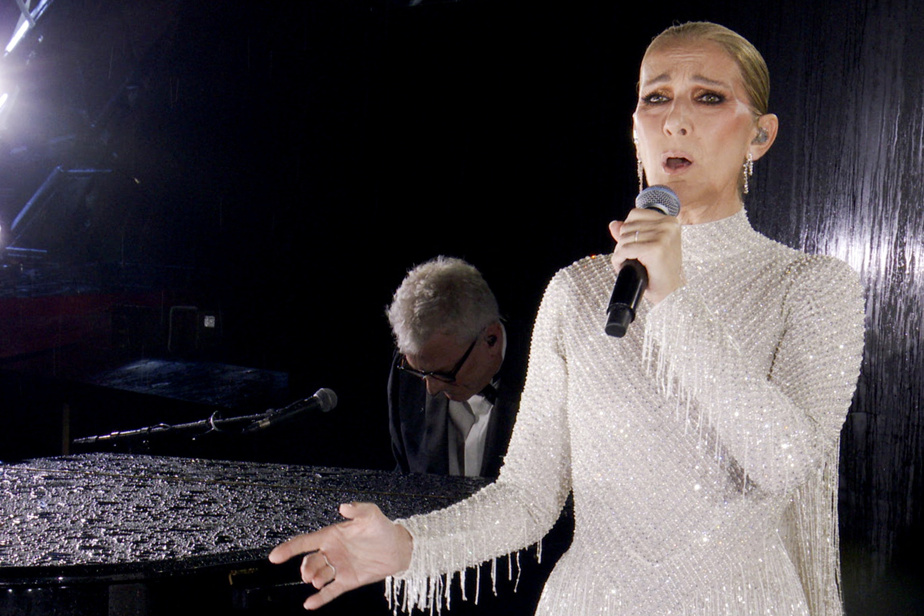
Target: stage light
(21, 30)
(27, 21)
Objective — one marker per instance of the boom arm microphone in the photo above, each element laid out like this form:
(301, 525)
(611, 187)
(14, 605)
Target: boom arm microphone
(632, 279)
(323, 400)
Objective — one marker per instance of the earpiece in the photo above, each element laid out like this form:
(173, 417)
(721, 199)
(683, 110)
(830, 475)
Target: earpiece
(492, 340)
(762, 136)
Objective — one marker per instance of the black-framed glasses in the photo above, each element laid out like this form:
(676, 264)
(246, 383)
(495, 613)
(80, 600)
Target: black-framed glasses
(439, 375)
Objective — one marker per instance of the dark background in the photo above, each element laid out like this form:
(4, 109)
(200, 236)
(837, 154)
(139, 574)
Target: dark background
(281, 165)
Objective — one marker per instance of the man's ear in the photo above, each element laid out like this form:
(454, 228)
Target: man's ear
(493, 333)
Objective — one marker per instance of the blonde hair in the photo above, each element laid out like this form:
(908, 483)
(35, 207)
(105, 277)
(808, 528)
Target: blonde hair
(753, 68)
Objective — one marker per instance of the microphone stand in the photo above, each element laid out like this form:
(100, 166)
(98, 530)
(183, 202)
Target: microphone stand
(215, 423)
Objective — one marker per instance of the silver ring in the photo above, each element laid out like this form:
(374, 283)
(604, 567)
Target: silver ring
(332, 568)
(636, 238)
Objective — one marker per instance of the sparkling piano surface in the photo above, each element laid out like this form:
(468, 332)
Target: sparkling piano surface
(115, 516)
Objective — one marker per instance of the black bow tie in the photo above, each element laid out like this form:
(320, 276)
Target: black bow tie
(489, 393)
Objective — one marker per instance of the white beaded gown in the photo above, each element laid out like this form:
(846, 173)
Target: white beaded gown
(701, 448)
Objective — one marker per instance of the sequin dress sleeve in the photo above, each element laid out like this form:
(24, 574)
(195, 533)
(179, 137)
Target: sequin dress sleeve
(701, 448)
(772, 409)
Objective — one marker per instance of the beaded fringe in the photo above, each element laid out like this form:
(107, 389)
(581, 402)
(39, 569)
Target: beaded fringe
(666, 338)
(429, 594)
(810, 534)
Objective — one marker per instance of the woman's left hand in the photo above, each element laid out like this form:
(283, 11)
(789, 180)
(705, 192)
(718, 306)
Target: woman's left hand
(654, 240)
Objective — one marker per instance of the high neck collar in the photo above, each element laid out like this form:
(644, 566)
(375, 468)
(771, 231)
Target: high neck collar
(718, 239)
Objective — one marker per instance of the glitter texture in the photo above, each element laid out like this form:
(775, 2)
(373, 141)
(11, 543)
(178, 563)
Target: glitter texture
(701, 448)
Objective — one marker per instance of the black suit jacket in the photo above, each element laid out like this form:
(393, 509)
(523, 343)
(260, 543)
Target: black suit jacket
(419, 422)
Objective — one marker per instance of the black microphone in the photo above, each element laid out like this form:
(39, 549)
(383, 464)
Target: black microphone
(632, 279)
(323, 400)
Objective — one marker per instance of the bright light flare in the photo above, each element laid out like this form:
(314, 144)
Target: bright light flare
(17, 36)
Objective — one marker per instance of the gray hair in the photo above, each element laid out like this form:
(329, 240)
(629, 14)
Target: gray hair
(444, 295)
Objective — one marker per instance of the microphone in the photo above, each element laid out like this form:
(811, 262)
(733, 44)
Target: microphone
(632, 279)
(323, 400)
